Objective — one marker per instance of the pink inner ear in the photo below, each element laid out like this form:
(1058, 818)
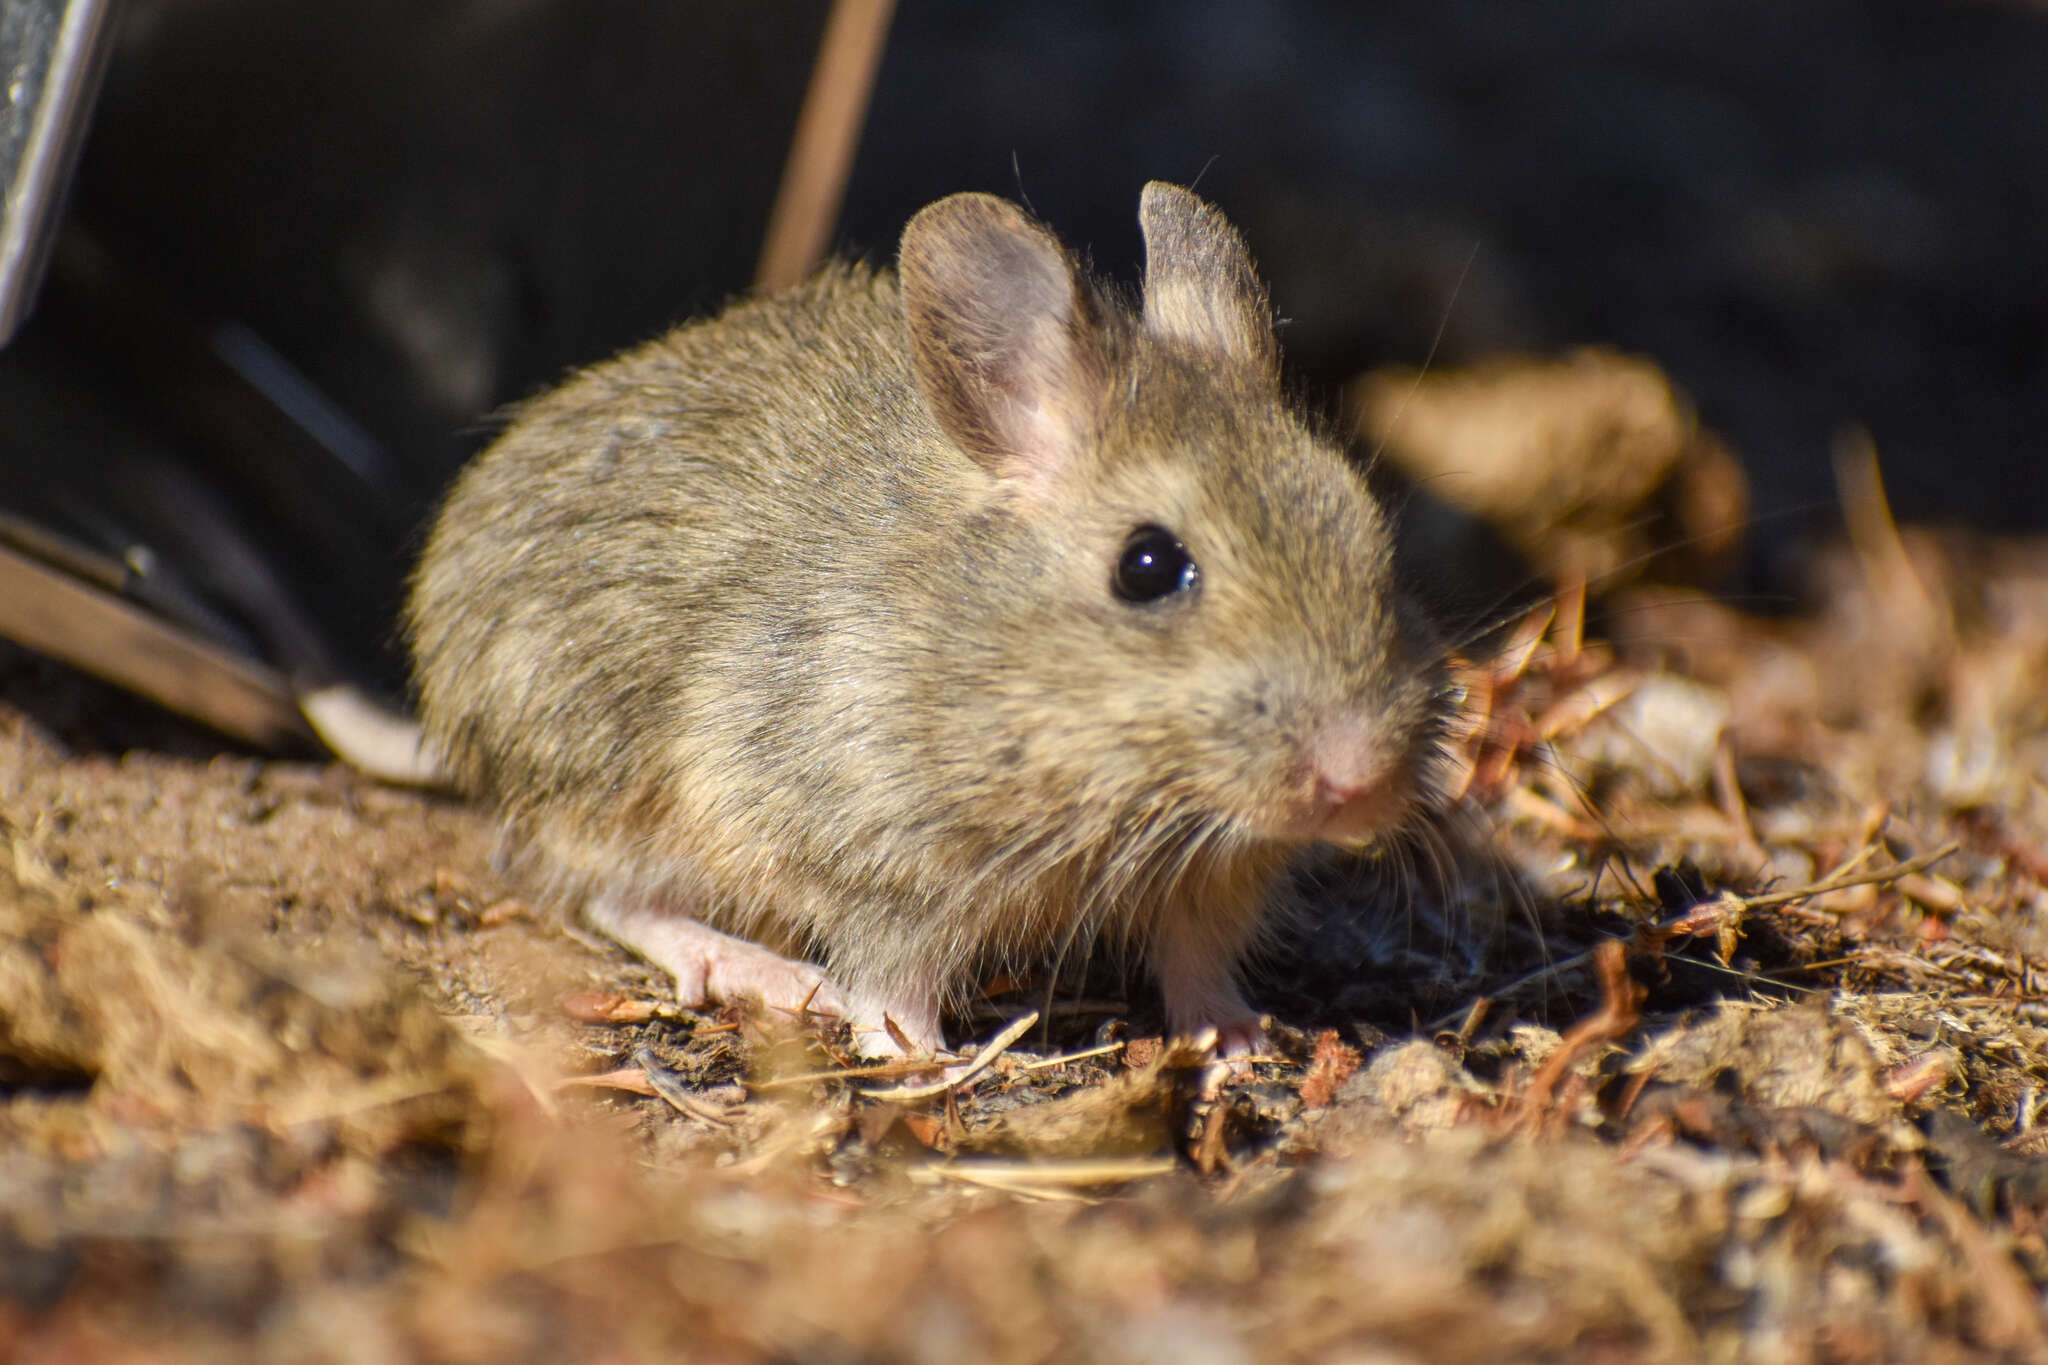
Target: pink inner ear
(1002, 336)
(1035, 393)
(1044, 438)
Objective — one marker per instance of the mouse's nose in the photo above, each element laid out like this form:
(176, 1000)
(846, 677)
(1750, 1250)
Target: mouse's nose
(1347, 760)
(1343, 791)
(1357, 786)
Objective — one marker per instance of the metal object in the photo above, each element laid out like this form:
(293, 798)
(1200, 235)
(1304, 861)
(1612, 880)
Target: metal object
(67, 611)
(52, 55)
(174, 607)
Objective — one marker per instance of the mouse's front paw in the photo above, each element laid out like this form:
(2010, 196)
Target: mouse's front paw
(899, 1022)
(1202, 995)
(1244, 1036)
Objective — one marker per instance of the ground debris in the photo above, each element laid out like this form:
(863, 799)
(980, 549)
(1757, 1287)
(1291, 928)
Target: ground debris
(1684, 1045)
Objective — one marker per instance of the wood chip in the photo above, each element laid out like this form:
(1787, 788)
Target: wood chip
(606, 1007)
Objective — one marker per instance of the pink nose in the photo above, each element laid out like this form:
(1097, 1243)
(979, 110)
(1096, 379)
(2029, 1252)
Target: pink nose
(1343, 791)
(1355, 781)
(1347, 762)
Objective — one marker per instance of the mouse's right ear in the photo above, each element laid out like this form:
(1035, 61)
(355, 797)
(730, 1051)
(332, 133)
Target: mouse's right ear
(1002, 334)
(1200, 285)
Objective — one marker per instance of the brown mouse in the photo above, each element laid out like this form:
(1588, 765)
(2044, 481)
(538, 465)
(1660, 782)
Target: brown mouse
(913, 622)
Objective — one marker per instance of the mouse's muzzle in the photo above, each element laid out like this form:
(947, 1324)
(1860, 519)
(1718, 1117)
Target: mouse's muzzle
(1352, 784)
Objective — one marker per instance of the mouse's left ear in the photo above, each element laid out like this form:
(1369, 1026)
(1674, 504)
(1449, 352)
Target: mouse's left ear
(1200, 285)
(1003, 336)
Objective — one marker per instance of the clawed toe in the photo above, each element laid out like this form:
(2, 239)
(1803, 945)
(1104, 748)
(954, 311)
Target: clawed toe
(713, 968)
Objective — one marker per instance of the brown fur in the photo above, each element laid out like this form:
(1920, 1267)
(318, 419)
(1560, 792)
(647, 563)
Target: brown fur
(800, 619)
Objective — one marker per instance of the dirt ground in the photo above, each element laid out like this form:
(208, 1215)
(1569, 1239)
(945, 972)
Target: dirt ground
(1711, 1028)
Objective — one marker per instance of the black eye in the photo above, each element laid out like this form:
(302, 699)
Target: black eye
(1153, 565)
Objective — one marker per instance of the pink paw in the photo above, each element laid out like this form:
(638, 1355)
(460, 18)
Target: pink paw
(779, 983)
(1197, 969)
(1195, 1002)
(710, 967)
(903, 1024)
(1241, 1037)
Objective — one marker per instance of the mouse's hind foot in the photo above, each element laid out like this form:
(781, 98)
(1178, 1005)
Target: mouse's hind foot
(714, 968)
(711, 967)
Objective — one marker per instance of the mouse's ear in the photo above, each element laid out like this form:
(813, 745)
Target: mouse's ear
(1002, 334)
(1200, 285)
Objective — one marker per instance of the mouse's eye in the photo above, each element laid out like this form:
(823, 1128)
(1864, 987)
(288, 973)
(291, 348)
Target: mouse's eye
(1154, 564)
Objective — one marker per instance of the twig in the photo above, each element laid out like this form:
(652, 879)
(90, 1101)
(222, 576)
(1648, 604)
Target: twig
(1728, 795)
(1620, 1007)
(1044, 1062)
(1019, 1176)
(376, 1094)
(902, 1066)
(678, 1095)
(631, 1079)
(827, 135)
(1839, 882)
(1726, 901)
(1021, 1189)
(983, 1060)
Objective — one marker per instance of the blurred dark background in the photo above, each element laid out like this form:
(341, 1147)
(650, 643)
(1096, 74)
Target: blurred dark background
(381, 221)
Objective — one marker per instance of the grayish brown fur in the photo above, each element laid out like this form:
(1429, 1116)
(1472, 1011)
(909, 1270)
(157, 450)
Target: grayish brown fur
(799, 620)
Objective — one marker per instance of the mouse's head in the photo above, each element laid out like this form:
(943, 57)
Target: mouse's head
(1182, 598)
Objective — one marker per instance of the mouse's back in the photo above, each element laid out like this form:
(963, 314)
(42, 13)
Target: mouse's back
(595, 576)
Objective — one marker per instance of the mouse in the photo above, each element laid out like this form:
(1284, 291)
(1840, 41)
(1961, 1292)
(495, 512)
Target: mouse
(863, 638)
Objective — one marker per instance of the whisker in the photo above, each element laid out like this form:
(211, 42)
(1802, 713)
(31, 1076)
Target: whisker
(1505, 607)
(1443, 325)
